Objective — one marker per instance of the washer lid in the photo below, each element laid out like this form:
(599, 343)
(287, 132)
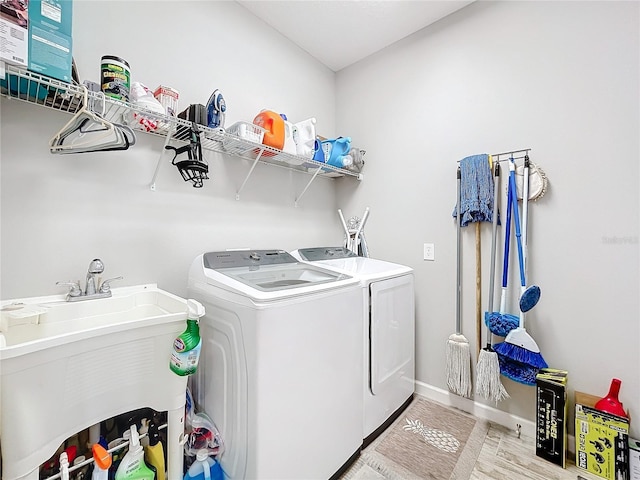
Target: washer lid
(364, 268)
(270, 271)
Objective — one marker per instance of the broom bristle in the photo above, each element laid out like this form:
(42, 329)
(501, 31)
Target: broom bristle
(459, 365)
(518, 372)
(488, 384)
(520, 355)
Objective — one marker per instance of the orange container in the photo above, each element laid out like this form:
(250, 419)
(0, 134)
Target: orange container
(273, 124)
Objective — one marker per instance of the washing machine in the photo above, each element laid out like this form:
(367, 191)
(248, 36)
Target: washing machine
(281, 363)
(388, 306)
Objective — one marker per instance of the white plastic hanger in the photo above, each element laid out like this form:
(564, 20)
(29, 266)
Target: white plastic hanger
(89, 132)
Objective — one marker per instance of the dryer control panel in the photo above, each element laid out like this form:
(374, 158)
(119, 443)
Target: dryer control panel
(325, 253)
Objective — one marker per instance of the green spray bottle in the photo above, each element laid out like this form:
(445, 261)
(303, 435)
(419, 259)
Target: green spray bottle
(186, 347)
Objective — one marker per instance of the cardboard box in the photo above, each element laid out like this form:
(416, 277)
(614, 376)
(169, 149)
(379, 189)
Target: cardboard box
(168, 98)
(602, 440)
(50, 41)
(634, 459)
(551, 415)
(14, 32)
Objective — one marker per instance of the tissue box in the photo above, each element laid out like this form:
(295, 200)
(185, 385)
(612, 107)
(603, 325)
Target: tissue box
(551, 416)
(602, 440)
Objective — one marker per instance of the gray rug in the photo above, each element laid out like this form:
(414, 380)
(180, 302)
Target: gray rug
(428, 440)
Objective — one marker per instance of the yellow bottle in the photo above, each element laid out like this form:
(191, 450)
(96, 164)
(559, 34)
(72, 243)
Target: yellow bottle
(154, 453)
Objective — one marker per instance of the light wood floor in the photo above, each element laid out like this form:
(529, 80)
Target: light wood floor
(504, 456)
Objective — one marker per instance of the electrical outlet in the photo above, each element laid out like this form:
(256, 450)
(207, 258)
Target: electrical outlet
(429, 251)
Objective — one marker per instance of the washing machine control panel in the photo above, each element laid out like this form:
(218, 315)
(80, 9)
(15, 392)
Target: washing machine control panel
(246, 258)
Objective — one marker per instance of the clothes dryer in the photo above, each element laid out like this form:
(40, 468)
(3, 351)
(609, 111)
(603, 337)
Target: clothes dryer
(388, 306)
(281, 363)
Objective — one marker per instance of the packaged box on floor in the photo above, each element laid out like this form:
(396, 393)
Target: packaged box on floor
(14, 32)
(551, 415)
(634, 459)
(50, 41)
(602, 440)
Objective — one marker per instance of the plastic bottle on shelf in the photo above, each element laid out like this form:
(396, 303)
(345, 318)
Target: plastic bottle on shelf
(186, 347)
(289, 145)
(102, 462)
(273, 124)
(204, 468)
(338, 152)
(305, 137)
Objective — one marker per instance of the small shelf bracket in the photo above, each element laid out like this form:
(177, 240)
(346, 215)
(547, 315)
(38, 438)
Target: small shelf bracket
(167, 139)
(313, 177)
(253, 166)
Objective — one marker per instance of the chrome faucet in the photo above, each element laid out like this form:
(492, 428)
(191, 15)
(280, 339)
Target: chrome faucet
(92, 289)
(96, 267)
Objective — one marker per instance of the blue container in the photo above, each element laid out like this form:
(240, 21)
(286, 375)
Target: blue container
(22, 87)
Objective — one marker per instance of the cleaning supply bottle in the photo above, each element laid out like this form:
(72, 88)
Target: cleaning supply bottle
(273, 124)
(204, 468)
(154, 453)
(305, 137)
(186, 347)
(132, 466)
(101, 461)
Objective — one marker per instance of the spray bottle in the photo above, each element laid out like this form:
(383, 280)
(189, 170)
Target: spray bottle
(102, 462)
(186, 347)
(133, 466)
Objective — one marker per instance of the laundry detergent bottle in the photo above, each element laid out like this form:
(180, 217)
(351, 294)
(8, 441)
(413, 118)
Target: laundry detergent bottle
(186, 347)
(133, 466)
(204, 468)
(273, 124)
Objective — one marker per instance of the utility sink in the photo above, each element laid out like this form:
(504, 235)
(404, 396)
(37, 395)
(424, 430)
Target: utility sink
(28, 325)
(65, 366)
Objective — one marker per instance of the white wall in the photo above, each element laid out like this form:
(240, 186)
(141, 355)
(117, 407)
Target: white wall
(560, 78)
(61, 211)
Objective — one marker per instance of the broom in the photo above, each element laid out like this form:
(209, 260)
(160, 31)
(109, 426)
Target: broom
(458, 368)
(488, 384)
(501, 323)
(519, 350)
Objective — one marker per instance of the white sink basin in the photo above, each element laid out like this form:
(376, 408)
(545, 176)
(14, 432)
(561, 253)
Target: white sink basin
(36, 323)
(65, 366)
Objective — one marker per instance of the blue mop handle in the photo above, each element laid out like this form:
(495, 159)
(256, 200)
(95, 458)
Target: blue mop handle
(507, 239)
(516, 215)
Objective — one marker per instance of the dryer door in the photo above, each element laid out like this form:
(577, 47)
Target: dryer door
(391, 335)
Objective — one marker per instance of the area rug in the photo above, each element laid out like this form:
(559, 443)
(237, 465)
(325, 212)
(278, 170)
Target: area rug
(429, 441)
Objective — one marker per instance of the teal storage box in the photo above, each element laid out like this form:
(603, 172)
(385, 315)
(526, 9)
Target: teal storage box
(50, 40)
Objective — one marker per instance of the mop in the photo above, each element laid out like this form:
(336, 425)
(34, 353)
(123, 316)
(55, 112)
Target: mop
(519, 353)
(458, 368)
(488, 384)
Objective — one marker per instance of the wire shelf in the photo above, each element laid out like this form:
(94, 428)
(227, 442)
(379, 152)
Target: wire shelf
(48, 92)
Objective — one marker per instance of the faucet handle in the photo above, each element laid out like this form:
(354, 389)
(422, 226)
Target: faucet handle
(74, 288)
(106, 287)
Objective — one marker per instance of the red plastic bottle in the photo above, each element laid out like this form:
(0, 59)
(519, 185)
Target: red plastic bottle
(610, 403)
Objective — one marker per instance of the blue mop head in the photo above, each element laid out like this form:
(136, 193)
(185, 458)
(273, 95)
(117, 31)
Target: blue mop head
(500, 324)
(529, 298)
(520, 354)
(518, 372)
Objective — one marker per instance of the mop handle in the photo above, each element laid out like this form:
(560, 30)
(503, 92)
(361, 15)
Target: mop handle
(507, 241)
(516, 216)
(494, 235)
(458, 254)
(525, 209)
